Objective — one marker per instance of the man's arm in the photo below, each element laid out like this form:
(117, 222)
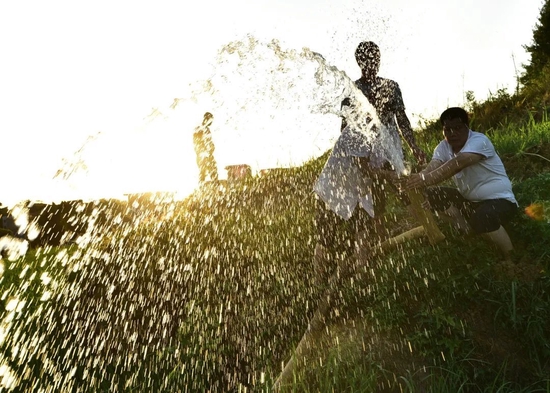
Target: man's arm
(432, 166)
(402, 182)
(408, 135)
(405, 127)
(437, 171)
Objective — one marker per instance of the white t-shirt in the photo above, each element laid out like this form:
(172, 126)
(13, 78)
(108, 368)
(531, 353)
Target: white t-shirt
(486, 179)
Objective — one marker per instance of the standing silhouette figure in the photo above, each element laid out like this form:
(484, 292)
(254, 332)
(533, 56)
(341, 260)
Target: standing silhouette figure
(204, 149)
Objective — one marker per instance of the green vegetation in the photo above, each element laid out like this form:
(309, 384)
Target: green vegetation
(212, 294)
(539, 49)
(231, 270)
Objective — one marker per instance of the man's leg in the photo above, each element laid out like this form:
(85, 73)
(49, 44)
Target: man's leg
(211, 168)
(322, 266)
(501, 239)
(369, 234)
(455, 217)
(371, 231)
(450, 206)
(202, 171)
(331, 238)
(202, 176)
(488, 218)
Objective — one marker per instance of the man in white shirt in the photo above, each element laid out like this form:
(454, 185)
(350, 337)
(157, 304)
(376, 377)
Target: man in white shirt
(483, 200)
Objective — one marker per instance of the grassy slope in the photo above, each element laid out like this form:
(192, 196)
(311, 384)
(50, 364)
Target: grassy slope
(450, 307)
(233, 270)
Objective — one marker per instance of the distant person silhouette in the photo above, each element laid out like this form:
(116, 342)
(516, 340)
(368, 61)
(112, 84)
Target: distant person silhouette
(357, 174)
(204, 149)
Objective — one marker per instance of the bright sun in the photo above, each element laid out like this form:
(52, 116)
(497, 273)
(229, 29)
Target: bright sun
(158, 157)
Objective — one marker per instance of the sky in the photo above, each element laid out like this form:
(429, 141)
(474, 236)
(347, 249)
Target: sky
(85, 73)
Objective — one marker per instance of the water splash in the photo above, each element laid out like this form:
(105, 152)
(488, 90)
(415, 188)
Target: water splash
(297, 90)
(164, 295)
(272, 106)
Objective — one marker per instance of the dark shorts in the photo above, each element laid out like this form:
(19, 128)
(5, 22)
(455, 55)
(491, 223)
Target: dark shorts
(483, 217)
(338, 235)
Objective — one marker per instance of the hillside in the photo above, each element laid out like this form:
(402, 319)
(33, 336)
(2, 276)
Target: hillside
(215, 292)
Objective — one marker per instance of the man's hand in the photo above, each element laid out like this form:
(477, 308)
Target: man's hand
(398, 180)
(391, 176)
(416, 180)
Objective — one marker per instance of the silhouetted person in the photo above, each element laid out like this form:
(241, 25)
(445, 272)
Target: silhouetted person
(385, 95)
(204, 149)
(354, 183)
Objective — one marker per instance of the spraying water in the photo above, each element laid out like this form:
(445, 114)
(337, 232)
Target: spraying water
(155, 296)
(273, 107)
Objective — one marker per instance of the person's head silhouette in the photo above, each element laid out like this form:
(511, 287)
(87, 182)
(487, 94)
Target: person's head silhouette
(367, 56)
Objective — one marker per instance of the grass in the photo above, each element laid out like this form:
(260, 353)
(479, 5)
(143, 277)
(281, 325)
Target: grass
(214, 293)
(512, 139)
